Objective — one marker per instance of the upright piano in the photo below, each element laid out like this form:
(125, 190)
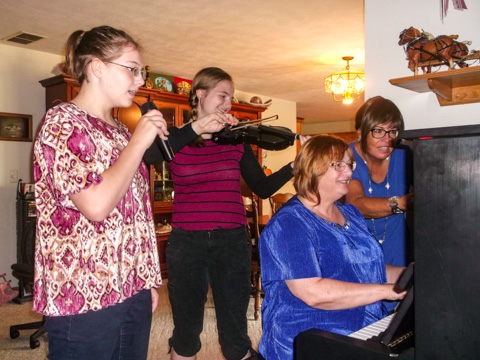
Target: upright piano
(446, 253)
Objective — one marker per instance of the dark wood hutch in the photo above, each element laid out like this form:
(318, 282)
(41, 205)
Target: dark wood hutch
(175, 110)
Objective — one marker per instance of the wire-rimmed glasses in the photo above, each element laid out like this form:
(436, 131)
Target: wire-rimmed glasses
(136, 71)
(342, 165)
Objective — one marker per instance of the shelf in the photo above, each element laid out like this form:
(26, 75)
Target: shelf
(162, 207)
(452, 87)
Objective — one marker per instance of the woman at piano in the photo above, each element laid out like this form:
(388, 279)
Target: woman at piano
(321, 266)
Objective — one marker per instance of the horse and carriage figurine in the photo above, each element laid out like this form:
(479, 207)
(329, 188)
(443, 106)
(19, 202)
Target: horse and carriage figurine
(425, 51)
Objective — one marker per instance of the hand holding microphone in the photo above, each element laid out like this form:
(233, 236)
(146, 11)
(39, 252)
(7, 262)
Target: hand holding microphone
(164, 145)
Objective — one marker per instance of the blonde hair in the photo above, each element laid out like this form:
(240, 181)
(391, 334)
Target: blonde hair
(313, 161)
(205, 79)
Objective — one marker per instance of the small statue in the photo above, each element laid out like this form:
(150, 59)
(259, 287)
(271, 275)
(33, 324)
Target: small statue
(163, 228)
(423, 50)
(148, 82)
(256, 100)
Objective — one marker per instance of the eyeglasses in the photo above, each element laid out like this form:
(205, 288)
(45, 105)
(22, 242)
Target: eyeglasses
(136, 71)
(342, 165)
(380, 133)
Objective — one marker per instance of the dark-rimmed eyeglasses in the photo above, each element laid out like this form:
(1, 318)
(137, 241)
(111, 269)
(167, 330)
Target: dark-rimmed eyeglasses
(136, 71)
(378, 133)
(342, 165)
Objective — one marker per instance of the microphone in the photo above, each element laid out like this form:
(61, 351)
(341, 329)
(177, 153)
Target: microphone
(164, 145)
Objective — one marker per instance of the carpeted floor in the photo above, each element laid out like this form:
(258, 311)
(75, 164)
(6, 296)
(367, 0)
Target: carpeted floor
(162, 326)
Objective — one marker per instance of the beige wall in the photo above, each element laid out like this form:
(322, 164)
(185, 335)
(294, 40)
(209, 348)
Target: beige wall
(385, 59)
(20, 71)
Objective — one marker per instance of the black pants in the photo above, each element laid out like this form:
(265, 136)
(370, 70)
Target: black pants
(220, 258)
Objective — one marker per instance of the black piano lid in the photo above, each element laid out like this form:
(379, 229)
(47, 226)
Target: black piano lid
(405, 280)
(450, 131)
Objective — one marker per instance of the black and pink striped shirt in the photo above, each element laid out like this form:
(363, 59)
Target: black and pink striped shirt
(207, 187)
(207, 181)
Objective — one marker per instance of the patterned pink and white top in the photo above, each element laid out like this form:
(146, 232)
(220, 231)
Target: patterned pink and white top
(80, 264)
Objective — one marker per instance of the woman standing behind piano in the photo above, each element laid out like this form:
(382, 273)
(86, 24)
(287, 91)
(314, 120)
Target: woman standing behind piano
(321, 266)
(381, 182)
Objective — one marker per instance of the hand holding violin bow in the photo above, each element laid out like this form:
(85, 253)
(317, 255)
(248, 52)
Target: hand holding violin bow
(214, 122)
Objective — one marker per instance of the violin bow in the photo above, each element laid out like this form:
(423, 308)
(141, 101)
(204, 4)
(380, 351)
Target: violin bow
(254, 122)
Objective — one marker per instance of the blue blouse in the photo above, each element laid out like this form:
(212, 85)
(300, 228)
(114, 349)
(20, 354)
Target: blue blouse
(400, 177)
(298, 244)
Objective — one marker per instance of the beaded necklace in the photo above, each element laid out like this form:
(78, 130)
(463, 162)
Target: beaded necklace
(370, 191)
(345, 226)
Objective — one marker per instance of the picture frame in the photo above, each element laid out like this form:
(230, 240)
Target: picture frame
(15, 127)
(163, 82)
(182, 86)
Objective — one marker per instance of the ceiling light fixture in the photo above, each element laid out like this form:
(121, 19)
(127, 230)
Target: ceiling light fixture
(346, 86)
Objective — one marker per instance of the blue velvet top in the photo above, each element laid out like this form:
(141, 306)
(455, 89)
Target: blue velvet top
(297, 244)
(393, 230)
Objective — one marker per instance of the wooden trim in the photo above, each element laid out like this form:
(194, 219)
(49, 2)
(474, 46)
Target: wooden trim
(452, 87)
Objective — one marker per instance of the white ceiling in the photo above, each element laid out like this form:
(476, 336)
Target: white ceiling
(273, 48)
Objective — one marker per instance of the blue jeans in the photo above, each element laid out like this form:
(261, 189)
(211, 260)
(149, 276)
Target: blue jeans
(220, 258)
(121, 331)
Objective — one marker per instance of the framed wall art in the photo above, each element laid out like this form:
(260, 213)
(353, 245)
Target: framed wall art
(15, 127)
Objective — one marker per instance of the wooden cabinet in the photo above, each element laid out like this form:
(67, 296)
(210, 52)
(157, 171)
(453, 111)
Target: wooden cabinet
(59, 88)
(176, 111)
(347, 136)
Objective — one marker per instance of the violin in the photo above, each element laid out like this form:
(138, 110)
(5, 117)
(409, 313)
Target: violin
(266, 137)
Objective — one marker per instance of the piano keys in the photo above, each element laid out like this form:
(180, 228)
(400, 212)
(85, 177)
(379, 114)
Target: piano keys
(373, 330)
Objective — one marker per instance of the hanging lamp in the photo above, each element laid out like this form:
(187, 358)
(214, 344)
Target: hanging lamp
(346, 86)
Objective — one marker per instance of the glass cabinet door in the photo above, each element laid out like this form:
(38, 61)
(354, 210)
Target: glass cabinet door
(185, 114)
(168, 114)
(162, 183)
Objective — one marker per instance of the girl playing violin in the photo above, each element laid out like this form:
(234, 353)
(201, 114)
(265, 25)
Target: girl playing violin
(208, 244)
